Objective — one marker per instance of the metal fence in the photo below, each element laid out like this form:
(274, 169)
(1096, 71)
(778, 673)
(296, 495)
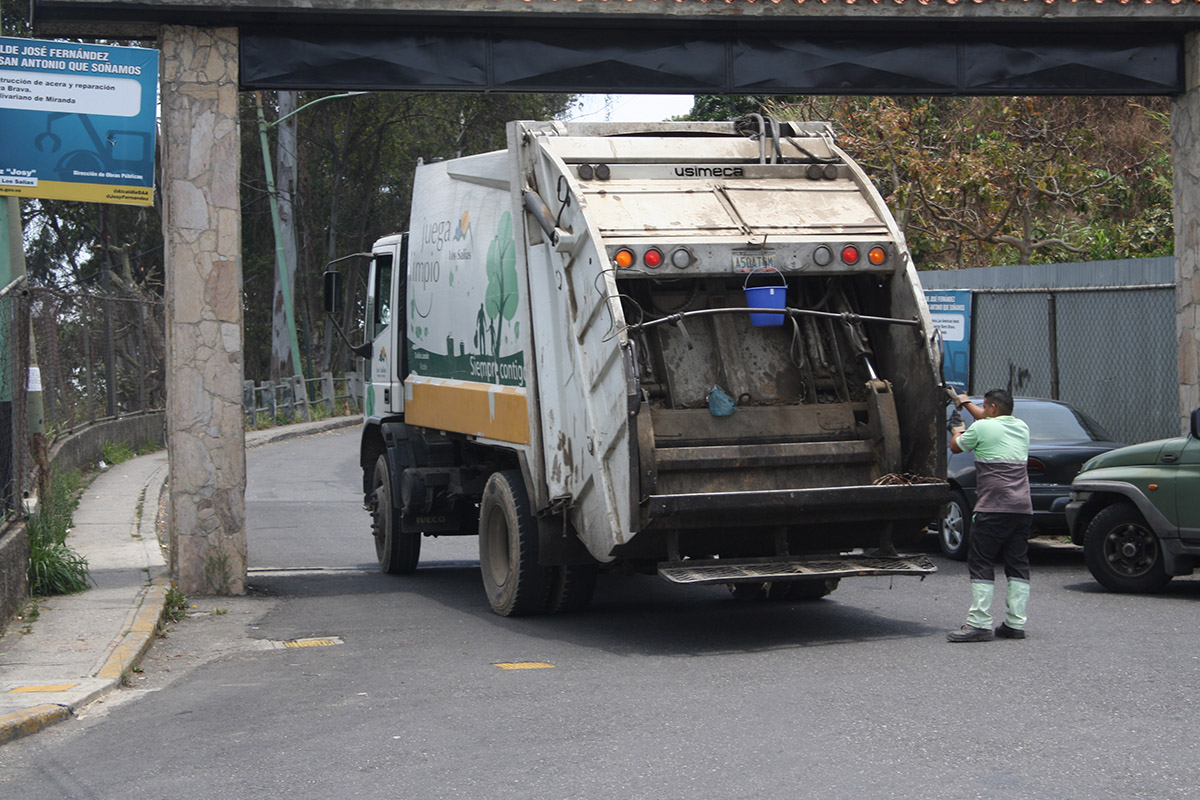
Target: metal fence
(99, 356)
(93, 357)
(14, 448)
(271, 403)
(1110, 350)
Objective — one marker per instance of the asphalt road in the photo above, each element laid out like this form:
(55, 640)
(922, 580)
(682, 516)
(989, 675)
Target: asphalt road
(656, 691)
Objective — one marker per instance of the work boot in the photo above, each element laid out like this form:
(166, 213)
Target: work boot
(1005, 632)
(968, 633)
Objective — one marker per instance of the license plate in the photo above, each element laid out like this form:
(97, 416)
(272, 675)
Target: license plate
(749, 260)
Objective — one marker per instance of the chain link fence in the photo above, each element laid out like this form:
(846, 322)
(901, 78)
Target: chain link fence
(1111, 352)
(100, 356)
(14, 448)
(93, 357)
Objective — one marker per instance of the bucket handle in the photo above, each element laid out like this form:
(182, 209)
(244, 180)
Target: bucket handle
(768, 270)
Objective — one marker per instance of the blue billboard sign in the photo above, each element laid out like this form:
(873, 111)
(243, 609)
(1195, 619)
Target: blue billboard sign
(951, 314)
(77, 121)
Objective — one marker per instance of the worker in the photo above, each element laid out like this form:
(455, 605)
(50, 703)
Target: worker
(1003, 514)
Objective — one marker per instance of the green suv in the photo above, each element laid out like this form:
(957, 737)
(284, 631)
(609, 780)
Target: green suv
(1136, 511)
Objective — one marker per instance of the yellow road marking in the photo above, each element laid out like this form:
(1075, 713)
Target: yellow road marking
(56, 687)
(311, 643)
(523, 665)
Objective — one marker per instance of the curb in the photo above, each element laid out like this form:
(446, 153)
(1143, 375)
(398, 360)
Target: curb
(25, 723)
(129, 648)
(271, 435)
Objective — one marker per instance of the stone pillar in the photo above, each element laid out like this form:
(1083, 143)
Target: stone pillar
(1185, 150)
(206, 443)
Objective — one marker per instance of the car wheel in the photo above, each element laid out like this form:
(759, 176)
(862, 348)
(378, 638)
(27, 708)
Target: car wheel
(1122, 552)
(954, 528)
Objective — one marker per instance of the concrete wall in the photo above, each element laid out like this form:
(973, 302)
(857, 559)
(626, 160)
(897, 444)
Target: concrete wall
(14, 568)
(78, 451)
(85, 448)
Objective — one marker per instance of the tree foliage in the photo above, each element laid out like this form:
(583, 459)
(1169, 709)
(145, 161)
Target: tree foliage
(1000, 180)
(357, 159)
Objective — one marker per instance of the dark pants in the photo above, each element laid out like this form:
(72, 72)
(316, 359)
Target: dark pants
(995, 535)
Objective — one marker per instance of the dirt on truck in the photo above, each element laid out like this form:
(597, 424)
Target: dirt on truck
(696, 350)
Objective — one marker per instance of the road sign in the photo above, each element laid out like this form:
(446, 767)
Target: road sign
(77, 121)
(951, 314)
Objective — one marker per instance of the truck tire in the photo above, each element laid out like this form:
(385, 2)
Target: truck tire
(396, 551)
(1122, 552)
(954, 528)
(571, 588)
(516, 584)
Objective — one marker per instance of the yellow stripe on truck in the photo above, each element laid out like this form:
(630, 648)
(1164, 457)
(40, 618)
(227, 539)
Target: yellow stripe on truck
(478, 409)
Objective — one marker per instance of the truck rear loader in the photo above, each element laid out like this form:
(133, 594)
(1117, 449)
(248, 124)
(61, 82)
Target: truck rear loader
(692, 349)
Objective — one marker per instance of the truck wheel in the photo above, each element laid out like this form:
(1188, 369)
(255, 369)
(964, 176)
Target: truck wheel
(1122, 552)
(397, 552)
(571, 588)
(954, 528)
(516, 584)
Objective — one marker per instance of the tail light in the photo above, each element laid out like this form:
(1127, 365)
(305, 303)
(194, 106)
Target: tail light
(1035, 465)
(624, 258)
(877, 255)
(849, 254)
(652, 258)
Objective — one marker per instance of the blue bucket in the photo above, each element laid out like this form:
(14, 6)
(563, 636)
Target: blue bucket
(766, 297)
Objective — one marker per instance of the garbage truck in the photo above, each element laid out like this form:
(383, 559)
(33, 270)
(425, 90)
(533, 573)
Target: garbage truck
(691, 349)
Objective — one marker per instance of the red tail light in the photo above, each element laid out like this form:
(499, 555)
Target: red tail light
(850, 254)
(1035, 465)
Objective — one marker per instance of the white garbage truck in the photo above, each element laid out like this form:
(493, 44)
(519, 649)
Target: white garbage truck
(696, 350)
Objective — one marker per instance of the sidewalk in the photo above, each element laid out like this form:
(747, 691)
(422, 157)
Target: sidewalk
(80, 646)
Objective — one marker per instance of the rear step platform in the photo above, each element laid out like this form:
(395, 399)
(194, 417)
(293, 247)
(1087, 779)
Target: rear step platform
(747, 570)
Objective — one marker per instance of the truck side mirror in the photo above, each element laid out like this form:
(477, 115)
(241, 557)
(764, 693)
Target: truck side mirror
(1196, 424)
(333, 291)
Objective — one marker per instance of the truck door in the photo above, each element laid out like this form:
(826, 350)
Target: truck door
(385, 331)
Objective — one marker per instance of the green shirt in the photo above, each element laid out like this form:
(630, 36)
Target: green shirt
(1001, 447)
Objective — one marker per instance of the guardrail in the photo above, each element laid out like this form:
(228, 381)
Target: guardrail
(295, 397)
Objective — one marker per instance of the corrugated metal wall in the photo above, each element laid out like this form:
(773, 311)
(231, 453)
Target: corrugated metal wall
(1100, 336)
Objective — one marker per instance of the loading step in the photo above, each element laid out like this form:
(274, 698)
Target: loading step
(747, 570)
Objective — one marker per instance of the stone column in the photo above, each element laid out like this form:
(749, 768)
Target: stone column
(206, 443)
(1185, 150)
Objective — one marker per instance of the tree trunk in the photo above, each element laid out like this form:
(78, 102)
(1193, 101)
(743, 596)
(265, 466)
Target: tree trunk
(286, 171)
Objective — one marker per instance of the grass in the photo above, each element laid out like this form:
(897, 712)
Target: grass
(54, 568)
(119, 452)
(175, 607)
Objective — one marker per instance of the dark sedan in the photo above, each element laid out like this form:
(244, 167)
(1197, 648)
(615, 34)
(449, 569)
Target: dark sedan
(1061, 439)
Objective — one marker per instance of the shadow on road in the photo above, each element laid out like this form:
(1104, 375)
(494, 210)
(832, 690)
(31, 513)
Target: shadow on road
(631, 615)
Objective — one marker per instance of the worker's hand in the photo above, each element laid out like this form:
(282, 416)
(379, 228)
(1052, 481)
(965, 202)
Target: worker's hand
(961, 400)
(957, 430)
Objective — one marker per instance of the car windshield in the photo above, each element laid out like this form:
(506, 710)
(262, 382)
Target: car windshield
(1053, 422)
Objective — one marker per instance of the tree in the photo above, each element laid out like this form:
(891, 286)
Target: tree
(987, 180)
(356, 158)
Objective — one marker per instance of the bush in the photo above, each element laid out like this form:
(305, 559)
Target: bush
(54, 568)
